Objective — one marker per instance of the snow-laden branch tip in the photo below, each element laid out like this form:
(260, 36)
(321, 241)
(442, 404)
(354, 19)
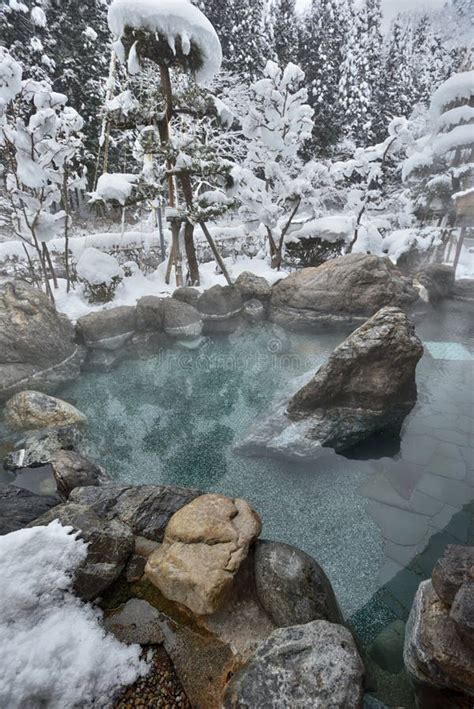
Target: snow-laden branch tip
(178, 21)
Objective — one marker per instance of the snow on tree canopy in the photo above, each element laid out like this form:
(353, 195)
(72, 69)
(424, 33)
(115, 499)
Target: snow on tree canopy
(114, 186)
(54, 651)
(10, 78)
(178, 22)
(97, 268)
(457, 87)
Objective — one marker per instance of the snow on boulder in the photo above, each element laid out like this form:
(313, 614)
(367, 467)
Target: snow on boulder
(185, 29)
(96, 267)
(54, 651)
(116, 186)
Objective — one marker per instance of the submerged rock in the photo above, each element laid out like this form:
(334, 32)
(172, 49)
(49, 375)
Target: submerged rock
(137, 622)
(367, 385)
(37, 348)
(31, 409)
(146, 509)
(314, 665)
(439, 663)
(204, 545)
(220, 309)
(110, 543)
(19, 507)
(291, 587)
(253, 311)
(73, 470)
(346, 290)
(39, 447)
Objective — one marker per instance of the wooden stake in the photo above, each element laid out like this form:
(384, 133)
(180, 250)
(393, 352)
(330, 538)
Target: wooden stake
(214, 250)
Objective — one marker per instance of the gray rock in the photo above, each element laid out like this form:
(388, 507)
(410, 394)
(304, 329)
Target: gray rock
(39, 447)
(453, 569)
(367, 385)
(181, 320)
(37, 349)
(29, 410)
(73, 470)
(436, 658)
(110, 544)
(314, 665)
(107, 329)
(292, 588)
(462, 612)
(220, 309)
(150, 313)
(187, 294)
(146, 509)
(19, 507)
(343, 291)
(253, 311)
(438, 279)
(253, 287)
(136, 622)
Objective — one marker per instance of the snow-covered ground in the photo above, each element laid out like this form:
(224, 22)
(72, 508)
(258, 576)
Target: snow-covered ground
(74, 304)
(53, 651)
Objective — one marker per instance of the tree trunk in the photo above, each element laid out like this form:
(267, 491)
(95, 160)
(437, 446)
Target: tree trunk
(216, 253)
(191, 253)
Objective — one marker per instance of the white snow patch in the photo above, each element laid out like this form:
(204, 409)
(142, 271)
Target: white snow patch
(175, 20)
(54, 652)
(114, 186)
(96, 267)
(457, 87)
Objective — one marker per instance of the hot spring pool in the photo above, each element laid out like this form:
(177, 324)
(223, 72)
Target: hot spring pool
(376, 523)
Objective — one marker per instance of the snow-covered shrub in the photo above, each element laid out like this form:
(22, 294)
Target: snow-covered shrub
(273, 184)
(100, 274)
(54, 652)
(39, 144)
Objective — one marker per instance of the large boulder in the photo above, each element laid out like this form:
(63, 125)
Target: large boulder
(37, 348)
(220, 309)
(367, 385)
(146, 509)
(110, 544)
(462, 612)
(180, 319)
(203, 548)
(253, 287)
(438, 279)
(107, 329)
(437, 659)
(19, 507)
(452, 570)
(291, 587)
(346, 290)
(71, 470)
(32, 409)
(314, 665)
(187, 294)
(150, 313)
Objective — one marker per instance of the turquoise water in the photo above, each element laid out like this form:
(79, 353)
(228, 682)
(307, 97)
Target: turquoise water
(376, 523)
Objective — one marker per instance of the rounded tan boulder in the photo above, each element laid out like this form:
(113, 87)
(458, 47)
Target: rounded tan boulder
(204, 545)
(32, 410)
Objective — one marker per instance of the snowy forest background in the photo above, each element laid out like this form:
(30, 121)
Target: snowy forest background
(351, 180)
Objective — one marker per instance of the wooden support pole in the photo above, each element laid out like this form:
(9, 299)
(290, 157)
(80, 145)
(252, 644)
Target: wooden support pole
(457, 255)
(216, 253)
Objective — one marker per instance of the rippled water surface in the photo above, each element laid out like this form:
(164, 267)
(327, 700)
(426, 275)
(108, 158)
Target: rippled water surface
(376, 523)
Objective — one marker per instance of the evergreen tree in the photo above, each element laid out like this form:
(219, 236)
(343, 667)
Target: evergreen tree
(321, 52)
(398, 87)
(285, 31)
(374, 45)
(354, 89)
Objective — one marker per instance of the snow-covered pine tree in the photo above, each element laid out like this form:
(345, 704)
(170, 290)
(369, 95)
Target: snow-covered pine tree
(285, 28)
(325, 26)
(398, 88)
(354, 88)
(374, 47)
(442, 162)
(24, 31)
